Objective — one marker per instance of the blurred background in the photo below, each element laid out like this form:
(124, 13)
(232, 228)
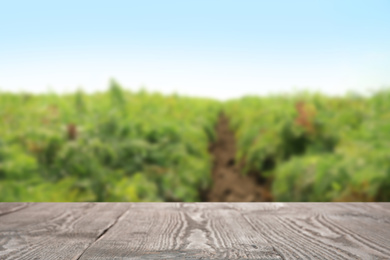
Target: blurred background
(160, 100)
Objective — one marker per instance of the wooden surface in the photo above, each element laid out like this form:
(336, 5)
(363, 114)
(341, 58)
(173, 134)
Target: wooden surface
(194, 231)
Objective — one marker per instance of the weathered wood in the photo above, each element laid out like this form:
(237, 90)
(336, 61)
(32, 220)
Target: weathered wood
(6, 208)
(55, 230)
(196, 231)
(324, 230)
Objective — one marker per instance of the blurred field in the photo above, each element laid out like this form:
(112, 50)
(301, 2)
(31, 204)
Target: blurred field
(113, 146)
(125, 146)
(316, 148)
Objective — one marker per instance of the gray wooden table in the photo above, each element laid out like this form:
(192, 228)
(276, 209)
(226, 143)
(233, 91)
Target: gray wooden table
(194, 231)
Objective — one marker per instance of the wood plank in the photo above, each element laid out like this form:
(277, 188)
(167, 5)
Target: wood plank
(55, 230)
(9, 207)
(178, 231)
(323, 230)
(196, 231)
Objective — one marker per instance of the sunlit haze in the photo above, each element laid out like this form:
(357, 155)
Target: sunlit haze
(219, 49)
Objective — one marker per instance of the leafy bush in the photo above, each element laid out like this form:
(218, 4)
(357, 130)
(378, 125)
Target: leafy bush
(316, 148)
(112, 146)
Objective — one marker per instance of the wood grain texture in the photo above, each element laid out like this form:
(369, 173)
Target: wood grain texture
(324, 230)
(6, 208)
(191, 231)
(196, 231)
(55, 230)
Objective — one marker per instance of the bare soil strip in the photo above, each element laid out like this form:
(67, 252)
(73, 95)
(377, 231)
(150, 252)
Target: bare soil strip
(229, 184)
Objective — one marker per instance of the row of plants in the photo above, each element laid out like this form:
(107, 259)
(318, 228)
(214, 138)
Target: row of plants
(111, 146)
(314, 147)
(123, 146)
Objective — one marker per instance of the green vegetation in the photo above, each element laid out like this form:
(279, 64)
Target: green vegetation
(124, 146)
(113, 146)
(316, 148)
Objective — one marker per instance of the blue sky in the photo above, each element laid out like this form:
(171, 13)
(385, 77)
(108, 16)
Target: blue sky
(216, 48)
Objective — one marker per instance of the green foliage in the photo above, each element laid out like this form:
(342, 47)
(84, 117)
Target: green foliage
(124, 146)
(112, 146)
(316, 148)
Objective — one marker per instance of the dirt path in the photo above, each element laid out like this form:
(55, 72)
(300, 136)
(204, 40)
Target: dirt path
(229, 185)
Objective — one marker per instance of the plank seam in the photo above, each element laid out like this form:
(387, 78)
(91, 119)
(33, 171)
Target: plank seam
(102, 233)
(254, 228)
(16, 210)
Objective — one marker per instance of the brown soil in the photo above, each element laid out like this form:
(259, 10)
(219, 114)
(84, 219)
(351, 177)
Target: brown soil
(229, 184)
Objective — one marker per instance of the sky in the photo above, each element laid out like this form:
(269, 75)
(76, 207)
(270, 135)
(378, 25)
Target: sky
(215, 48)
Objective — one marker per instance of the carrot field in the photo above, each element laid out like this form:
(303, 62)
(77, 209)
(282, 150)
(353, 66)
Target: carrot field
(120, 145)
